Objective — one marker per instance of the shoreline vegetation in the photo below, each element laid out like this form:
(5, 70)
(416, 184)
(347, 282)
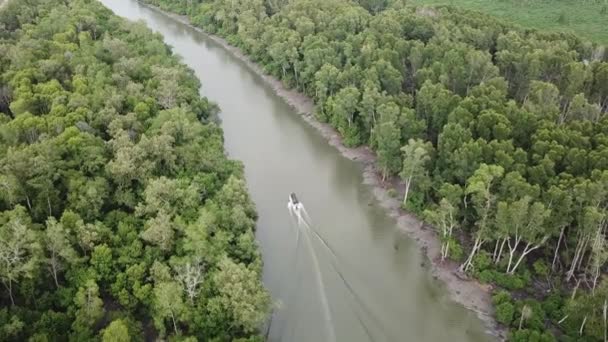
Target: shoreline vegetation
(465, 291)
(496, 132)
(121, 217)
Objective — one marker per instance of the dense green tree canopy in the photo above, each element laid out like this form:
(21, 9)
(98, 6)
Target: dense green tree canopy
(119, 211)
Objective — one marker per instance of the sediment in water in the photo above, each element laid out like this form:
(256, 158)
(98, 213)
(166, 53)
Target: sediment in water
(467, 292)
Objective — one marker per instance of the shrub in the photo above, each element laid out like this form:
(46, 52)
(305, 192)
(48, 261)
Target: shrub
(553, 306)
(541, 268)
(486, 276)
(527, 335)
(504, 313)
(415, 203)
(456, 251)
(536, 318)
(482, 261)
(508, 281)
(501, 296)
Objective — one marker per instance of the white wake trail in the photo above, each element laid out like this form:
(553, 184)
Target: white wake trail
(299, 214)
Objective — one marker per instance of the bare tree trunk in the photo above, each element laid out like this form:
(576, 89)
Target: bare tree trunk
(526, 251)
(582, 255)
(9, 287)
(502, 246)
(578, 282)
(295, 74)
(467, 264)
(446, 251)
(605, 309)
(495, 250)
(575, 259)
(174, 324)
(595, 277)
(580, 332)
(54, 271)
(559, 241)
(512, 250)
(407, 190)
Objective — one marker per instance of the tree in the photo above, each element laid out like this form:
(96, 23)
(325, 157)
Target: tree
(387, 135)
(89, 309)
(526, 313)
(58, 248)
(445, 217)
(369, 101)
(168, 303)
(344, 107)
(191, 275)
(326, 82)
(433, 104)
(159, 231)
(240, 296)
(101, 262)
(543, 99)
(416, 159)
(19, 248)
(560, 204)
(10, 325)
(480, 189)
(591, 220)
(116, 331)
(523, 222)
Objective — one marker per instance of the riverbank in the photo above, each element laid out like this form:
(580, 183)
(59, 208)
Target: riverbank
(470, 294)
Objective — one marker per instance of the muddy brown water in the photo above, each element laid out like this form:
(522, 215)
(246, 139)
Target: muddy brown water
(376, 286)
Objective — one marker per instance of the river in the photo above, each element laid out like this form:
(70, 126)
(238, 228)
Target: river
(376, 287)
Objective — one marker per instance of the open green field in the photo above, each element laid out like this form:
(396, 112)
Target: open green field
(587, 18)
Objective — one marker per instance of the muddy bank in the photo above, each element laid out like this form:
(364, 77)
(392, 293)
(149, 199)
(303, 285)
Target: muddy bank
(468, 293)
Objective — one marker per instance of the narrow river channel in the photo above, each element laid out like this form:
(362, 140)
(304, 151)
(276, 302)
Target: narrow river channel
(381, 292)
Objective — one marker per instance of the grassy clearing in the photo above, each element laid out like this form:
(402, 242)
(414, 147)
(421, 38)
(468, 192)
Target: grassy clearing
(587, 18)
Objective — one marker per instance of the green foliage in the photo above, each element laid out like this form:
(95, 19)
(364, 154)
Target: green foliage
(240, 296)
(541, 268)
(455, 251)
(529, 314)
(527, 335)
(553, 306)
(117, 331)
(118, 206)
(507, 281)
(482, 261)
(10, 325)
(500, 297)
(504, 313)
